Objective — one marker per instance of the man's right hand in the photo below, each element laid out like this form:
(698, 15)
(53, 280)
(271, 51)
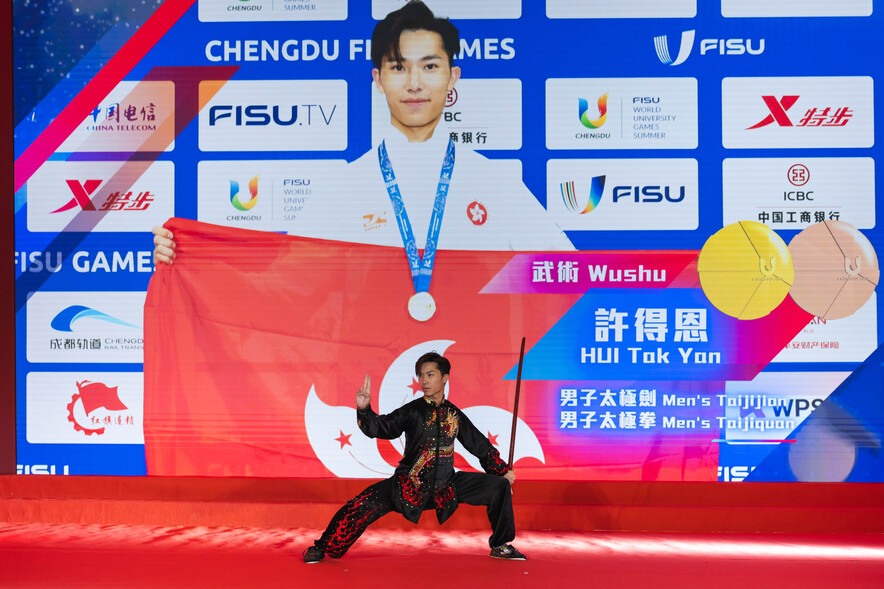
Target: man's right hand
(363, 395)
(164, 247)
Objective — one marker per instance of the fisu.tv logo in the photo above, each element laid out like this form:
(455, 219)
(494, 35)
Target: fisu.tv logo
(237, 202)
(721, 46)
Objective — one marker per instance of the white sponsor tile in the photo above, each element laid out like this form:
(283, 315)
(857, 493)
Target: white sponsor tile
(104, 408)
(85, 327)
(269, 195)
(135, 116)
(638, 194)
(273, 115)
(797, 112)
(851, 339)
(762, 8)
(100, 196)
(773, 404)
(454, 8)
(621, 9)
(794, 193)
(271, 10)
(482, 113)
(639, 113)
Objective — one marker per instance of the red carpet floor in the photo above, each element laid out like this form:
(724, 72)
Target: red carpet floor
(71, 555)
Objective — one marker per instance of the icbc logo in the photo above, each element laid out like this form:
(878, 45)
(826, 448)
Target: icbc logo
(450, 100)
(451, 97)
(798, 175)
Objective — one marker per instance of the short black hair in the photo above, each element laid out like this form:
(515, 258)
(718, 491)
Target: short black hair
(440, 360)
(414, 16)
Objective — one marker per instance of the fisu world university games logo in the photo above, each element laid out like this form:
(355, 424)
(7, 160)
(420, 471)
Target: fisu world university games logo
(661, 44)
(240, 204)
(569, 195)
(583, 112)
(707, 47)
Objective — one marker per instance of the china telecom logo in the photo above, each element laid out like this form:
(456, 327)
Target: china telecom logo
(661, 44)
(569, 195)
(234, 195)
(583, 111)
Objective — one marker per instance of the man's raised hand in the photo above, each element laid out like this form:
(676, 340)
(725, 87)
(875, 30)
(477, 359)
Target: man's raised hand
(164, 247)
(363, 395)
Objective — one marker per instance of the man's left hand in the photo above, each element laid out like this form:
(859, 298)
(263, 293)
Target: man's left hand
(510, 476)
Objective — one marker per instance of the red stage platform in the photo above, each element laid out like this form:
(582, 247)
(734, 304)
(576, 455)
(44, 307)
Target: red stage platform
(593, 506)
(194, 532)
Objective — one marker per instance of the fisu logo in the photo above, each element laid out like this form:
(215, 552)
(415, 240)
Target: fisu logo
(661, 44)
(569, 195)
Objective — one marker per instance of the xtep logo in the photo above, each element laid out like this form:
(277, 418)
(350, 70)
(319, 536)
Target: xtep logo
(814, 117)
(569, 195)
(583, 111)
(777, 110)
(116, 201)
(82, 192)
(720, 46)
(234, 195)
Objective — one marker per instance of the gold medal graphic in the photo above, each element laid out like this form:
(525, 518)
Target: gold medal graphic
(745, 270)
(836, 269)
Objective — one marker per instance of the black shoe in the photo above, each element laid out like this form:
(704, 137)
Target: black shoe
(312, 555)
(507, 552)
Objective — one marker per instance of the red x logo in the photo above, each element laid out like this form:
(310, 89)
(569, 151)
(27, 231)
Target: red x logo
(777, 110)
(81, 195)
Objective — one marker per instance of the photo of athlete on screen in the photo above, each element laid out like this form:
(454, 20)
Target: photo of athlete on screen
(416, 177)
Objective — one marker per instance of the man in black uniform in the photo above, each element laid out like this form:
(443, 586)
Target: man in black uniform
(425, 478)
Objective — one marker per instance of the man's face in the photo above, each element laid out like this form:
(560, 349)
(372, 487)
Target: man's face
(416, 87)
(432, 380)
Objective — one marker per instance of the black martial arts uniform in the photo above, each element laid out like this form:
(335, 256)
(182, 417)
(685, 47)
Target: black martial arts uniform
(425, 478)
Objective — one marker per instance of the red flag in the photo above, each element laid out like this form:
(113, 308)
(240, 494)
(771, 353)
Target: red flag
(96, 395)
(248, 331)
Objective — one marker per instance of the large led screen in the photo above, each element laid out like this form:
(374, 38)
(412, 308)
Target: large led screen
(672, 201)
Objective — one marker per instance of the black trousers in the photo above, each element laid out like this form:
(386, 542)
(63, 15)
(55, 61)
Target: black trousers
(471, 488)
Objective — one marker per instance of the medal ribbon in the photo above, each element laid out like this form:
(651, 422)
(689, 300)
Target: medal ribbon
(421, 269)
